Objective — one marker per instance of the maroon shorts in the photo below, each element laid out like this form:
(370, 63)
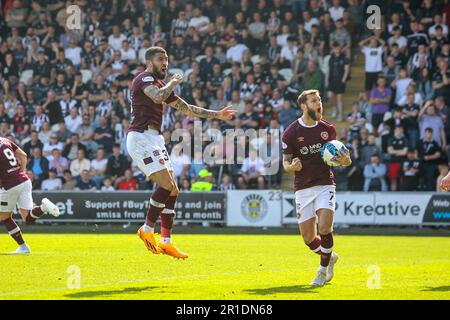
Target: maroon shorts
(394, 170)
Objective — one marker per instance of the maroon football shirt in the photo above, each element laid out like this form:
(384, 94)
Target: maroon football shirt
(305, 143)
(11, 173)
(143, 110)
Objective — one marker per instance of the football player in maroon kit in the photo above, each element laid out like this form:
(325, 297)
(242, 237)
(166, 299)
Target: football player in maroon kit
(15, 189)
(146, 147)
(315, 190)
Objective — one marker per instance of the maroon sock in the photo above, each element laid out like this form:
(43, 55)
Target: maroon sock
(168, 217)
(34, 214)
(315, 245)
(157, 204)
(170, 203)
(167, 224)
(14, 230)
(327, 249)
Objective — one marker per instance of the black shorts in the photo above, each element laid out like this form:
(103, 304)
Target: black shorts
(337, 87)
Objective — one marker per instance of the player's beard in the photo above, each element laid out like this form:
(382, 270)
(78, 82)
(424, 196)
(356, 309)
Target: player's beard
(316, 116)
(157, 73)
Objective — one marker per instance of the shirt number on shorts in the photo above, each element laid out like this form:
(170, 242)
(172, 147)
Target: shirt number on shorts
(10, 156)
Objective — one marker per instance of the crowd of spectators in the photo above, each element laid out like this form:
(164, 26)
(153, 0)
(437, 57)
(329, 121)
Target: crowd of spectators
(64, 93)
(399, 130)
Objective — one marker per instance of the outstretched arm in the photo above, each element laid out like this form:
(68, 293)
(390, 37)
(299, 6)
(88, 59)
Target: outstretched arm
(191, 110)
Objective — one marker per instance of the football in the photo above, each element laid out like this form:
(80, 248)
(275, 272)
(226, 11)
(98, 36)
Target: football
(330, 151)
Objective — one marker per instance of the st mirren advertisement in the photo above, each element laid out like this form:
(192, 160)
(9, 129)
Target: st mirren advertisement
(130, 206)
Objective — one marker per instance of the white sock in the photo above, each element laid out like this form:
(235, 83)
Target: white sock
(322, 269)
(148, 229)
(166, 240)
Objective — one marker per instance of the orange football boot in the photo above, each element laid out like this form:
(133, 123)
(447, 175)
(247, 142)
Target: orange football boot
(149, 240)
(171, 250)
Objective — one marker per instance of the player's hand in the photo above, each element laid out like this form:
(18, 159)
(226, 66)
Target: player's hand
(296, 164)
(343, 158)
(445, 183)
(226, 113)
(177, 78)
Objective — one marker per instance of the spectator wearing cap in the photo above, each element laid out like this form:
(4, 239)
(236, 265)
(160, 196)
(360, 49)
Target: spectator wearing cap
(53, 183)
(429, 154)
(205, 181)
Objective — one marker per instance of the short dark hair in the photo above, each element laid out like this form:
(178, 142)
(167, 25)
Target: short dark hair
(152, 51)
(429, 129)
(304, 96)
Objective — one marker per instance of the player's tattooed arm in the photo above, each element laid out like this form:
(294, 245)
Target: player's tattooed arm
(159, 95)
(191, 110)
(291, 164)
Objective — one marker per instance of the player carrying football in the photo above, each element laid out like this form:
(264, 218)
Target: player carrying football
(146, 147)
(315, 189)
(15, 189)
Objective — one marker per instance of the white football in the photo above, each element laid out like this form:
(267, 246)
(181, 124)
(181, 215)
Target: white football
(330, 151)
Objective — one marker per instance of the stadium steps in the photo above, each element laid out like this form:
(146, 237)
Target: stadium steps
(353, 88)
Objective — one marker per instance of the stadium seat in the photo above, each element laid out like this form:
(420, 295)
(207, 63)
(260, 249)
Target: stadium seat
(226, 71)
(86, 75)
(26, 75)
(177, 71)
(200, 57)
(287, 74)
(255, 59)
(187, 73)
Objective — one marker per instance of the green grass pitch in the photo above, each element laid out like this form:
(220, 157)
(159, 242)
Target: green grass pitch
(117, 266)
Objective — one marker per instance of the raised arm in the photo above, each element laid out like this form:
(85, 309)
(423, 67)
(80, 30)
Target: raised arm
(191, 110)
(159, 95)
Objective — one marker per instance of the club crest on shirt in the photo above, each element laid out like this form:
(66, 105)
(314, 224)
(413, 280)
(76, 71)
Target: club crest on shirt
(301, 139)
(324, 135)
(148, 79)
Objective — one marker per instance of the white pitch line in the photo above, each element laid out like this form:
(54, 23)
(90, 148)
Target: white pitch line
(201, 275)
